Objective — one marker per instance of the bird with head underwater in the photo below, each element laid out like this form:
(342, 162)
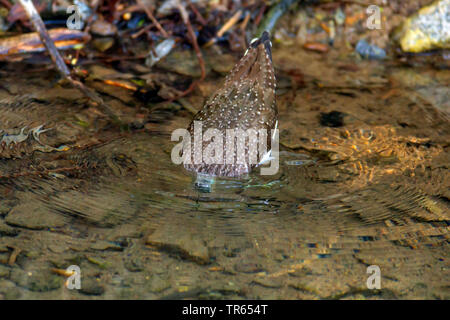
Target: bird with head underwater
(245, 101)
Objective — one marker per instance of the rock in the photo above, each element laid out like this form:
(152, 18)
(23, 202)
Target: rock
(111, 211)
(7, 231)
(430, 88)
(428, 29)
(103, 44)
(222, 63)
(58, 247)
(332, 119)
(103, 28)
(9, 290)
(5, 207)
(185, 245)
(134, 264)
(122, 94)
(3, 247)
(40, 279)
(4, 257)
(157, 284)
(182, 62)
(228, 287)
(4, 271)
(121, 233)
(34, 216)
(369, 51)
(91, 287)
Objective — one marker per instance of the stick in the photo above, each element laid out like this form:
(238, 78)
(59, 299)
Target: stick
(39, 26)
(230, 23)
(153, 19)
(185, 17)
(227, 26)
(197, 13)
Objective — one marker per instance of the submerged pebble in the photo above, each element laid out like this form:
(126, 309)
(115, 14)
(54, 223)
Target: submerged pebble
(33, 216)
(426, 30)
(332, 119)
(369, 51)
(39, 279)
(184, 245)
(91, 287)
(103, 28)
(7, 231)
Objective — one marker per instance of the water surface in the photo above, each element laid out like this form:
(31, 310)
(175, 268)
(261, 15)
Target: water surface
(363, 181)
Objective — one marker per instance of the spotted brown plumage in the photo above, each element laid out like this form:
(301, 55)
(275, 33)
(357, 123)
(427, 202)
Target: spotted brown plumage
(246, 100)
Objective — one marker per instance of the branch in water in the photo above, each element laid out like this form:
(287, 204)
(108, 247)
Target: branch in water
(39, 26)
(61, 66)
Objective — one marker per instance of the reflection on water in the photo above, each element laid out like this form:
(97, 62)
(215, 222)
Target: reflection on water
(372, 191)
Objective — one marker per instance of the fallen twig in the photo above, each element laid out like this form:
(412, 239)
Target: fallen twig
(39, 26)
(143, 30)
(193, 38)
(30, 42)
(197, 13)
(244, 23)
(13, 257)
(153, 19)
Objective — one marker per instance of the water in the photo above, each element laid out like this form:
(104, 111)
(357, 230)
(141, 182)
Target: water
(372, 190)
